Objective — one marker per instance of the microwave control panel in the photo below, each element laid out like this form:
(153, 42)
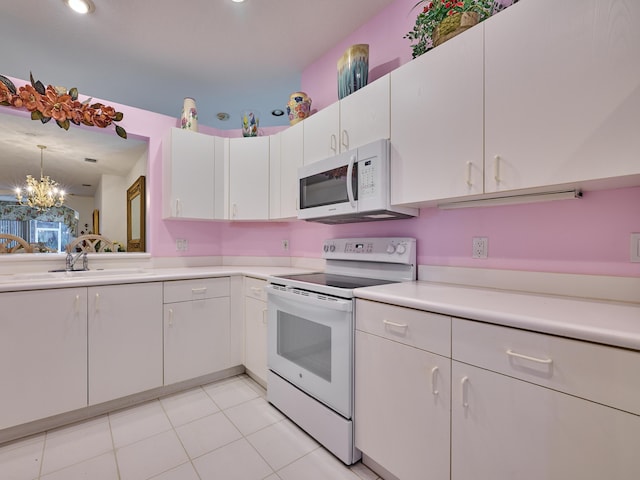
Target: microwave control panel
(367, 173)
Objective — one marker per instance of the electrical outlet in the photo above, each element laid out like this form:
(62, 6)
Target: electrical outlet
(182, 245)
(285, 245)
(480, 247)
(635, 247)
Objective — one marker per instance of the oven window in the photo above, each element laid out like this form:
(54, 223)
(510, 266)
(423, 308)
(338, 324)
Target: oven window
(328, 187)
(305, 343)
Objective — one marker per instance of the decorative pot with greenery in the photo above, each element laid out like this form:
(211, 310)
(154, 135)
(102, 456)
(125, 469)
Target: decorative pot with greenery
(443, 19)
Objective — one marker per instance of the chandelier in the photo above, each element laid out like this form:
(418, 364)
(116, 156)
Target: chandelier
(41, 194)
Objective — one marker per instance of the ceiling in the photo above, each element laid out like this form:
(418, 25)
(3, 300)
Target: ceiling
(152, 53)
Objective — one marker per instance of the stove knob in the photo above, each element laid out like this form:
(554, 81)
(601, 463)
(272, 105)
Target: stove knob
(391, 248)
(326, 248)
(332, 248)
(400, 249)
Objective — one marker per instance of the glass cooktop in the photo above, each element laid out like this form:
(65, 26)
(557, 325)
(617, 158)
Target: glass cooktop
(336, 281)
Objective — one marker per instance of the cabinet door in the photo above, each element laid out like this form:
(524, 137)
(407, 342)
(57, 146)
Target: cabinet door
(321, 134)
(436, 123)
(563, 104)
(255, 327)
(249, 178)
(275, 173)
(196, 338)
(125, 340)
(43, 351)
(402, 407)
(291, 155)
(508, 428)
(364, 115)
(188, 175)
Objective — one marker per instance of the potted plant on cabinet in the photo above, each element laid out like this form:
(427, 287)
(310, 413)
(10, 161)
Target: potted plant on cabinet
(441, 20)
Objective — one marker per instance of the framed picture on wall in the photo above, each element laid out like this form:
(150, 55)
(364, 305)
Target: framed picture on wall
(96, 221)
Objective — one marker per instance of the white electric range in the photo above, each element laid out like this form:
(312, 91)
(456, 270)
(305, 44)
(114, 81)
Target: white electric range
(311, 334)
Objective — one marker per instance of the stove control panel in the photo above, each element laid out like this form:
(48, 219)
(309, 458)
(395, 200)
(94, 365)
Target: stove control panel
(383, 249)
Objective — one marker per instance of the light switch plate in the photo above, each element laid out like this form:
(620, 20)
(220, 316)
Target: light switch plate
(635, 247)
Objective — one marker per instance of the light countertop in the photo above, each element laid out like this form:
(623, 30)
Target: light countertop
(10, 283)
(609, 323)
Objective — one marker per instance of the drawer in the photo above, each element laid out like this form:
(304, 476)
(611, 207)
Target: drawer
(195, 289)
(254, 288)
(424, 330)
(603, 374)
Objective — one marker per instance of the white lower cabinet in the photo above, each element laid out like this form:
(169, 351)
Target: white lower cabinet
(255, 328)
(402, 391)
(43, 352)
(124, 340)
(509, 419)
(508, 428)
(196, 328)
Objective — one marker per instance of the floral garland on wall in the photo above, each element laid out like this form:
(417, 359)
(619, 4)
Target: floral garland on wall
(58, 103)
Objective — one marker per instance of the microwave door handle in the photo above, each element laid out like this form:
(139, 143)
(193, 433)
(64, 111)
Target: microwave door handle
(352, 200)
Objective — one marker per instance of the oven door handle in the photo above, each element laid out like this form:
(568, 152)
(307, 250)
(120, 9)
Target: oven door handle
(337, 304)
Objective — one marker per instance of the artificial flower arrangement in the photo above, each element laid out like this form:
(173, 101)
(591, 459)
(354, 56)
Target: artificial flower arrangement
(437, 12)
(63, 106)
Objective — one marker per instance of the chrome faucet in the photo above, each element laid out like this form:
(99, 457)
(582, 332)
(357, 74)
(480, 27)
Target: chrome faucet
(71, 261)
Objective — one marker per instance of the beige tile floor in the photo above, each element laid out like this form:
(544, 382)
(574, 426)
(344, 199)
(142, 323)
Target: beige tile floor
(222, 431)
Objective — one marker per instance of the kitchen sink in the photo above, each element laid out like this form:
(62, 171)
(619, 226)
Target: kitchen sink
(74, 274)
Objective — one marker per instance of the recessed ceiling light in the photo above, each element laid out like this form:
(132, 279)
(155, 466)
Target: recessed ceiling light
(80, 6)
(237, 1)
(277, 113)
(222, 116)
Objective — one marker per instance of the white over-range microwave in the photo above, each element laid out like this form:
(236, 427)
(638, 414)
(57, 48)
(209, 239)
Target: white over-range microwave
(353, 186)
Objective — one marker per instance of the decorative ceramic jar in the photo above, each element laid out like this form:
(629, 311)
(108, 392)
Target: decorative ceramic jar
(454, 25)
(353, 69)
(299, 107)
(189, 117)
(250, 123)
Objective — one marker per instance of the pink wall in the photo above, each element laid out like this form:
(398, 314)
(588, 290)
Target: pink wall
(588, 236)
(387, 51)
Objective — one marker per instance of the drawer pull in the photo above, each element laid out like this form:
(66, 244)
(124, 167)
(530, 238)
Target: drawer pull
(434, 380)
(171, 318)
(463, 384)
(393, 324)
(199, 290)
(257, 290)
(546, 361)
(264, 316)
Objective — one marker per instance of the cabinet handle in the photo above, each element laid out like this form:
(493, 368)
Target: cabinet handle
(469, 183)
(77, 304)
(97, 305)
(199, 290)
(171, 318)
(333, 143)
(234, 212)
(393, 324)
(345, 139)
(496, 168)
(546, 361)
(177, 207)
(463, 385)
(434, 380)
(264, 316)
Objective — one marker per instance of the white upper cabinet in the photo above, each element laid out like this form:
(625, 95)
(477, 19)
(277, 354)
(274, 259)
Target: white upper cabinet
(436, 123)
(356, 120)
(249, 178)
(562, 90)
(188, 175)
(291, 154)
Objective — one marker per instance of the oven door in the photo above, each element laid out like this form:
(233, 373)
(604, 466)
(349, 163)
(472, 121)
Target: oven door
(310, 344)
